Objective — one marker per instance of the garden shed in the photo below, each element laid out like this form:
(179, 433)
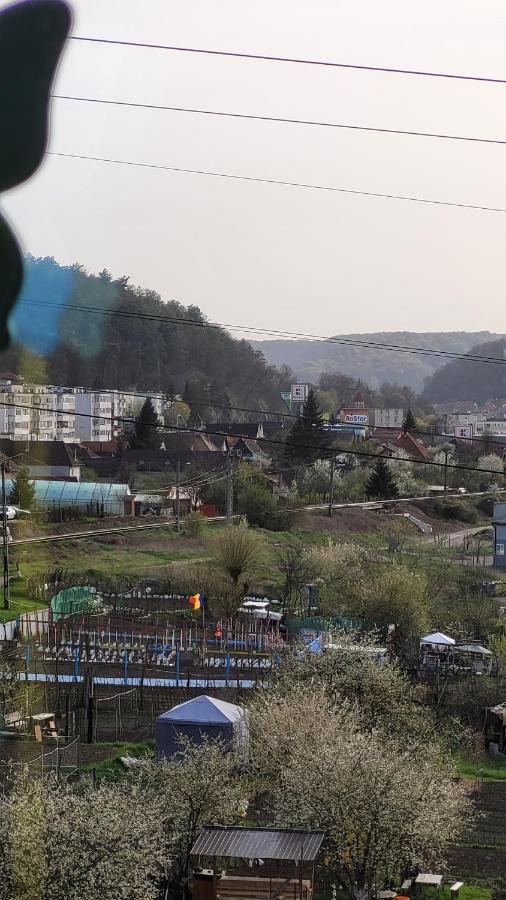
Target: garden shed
(202, 719)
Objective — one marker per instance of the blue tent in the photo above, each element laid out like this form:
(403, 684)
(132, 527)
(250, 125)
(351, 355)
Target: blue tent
(199, 720)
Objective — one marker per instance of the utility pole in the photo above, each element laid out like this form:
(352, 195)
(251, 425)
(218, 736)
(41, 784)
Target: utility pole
(5, 532)
(178, 500)
(446, 471)
(331, 491)
(230, 487)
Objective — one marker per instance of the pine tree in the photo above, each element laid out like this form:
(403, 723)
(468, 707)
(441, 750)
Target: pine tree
(308, 434)
(146, 427)
(23, 490)
(381, 484)
(409, 424)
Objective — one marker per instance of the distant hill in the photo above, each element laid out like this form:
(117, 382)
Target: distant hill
(466, 380)
(309, 358)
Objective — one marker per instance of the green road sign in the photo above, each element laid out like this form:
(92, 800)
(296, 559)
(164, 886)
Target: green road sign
(287, 399)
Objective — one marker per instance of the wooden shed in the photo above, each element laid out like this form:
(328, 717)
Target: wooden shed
(255, 863)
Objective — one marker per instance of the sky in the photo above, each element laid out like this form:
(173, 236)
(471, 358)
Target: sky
(272, 256)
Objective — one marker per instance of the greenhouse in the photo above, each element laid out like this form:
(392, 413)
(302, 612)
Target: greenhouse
(84, 495)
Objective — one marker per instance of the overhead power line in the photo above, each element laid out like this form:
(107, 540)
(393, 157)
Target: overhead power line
(270, 332)
(83, 535)
(388, 70)
(104, 531)
(280, 119)
(323, 449)
(276, 415)
(293, 184)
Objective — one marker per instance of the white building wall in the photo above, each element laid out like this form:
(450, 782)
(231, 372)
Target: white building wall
(93, 420)
(388, 418)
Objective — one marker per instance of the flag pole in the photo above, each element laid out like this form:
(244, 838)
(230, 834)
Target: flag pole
(203, 624)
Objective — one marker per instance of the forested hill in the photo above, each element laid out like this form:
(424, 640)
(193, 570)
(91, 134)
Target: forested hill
(74, 343)
(466, 380)
(309, 359)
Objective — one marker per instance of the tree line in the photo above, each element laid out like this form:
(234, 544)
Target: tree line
(63, 345)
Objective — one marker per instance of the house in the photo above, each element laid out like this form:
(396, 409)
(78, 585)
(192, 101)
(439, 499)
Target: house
(499, 523)
(253, 430)
(413, 448)
(276, 484)
(249, 449)
(356, 414)
(187, 443)
(43, 459)
(159, 504)
(496, 728)
(102, 448)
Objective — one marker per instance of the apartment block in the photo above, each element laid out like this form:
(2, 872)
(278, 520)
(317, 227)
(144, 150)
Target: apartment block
(388, 418)
(93, 416)
(38, 412)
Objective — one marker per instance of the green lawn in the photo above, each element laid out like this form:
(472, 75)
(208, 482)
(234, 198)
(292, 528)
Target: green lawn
(19, 602)
(468, 892)
(111, 768)
(485, 766)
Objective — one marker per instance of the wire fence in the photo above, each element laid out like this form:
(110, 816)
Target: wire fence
(58, 755)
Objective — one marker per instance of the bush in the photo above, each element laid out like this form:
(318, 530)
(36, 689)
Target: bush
(195, 525)
(262, 509)
(454, 510)
(486, 506)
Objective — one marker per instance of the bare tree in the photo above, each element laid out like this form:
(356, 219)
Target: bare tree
(296, 571)
(239, 554)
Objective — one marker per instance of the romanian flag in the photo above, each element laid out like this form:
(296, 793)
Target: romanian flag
(196, 600)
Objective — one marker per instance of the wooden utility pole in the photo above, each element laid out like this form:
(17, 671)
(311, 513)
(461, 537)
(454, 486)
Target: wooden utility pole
(230, 487)
(5, 532)
(446, 471)
(178, 499)
(331, 490)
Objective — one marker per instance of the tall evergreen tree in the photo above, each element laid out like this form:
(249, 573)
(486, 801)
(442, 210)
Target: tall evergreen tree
(23, 490)
(308, 435)
(409, 425)
(146, 427)
(381, 484)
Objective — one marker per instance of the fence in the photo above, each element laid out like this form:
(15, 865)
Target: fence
(57, 755)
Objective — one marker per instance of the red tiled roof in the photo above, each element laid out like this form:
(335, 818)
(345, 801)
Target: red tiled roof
(407, 442)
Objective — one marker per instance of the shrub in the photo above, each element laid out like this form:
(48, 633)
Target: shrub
(195, 525)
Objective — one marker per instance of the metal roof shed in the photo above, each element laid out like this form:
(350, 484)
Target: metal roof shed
(268, 863)
(198, 720)
(258, 843)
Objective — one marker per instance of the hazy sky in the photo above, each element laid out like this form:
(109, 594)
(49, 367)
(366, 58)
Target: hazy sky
(267, 255)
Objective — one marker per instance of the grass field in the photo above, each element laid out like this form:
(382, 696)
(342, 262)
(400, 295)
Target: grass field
(151, 553)
(110, 767)
(485, 767)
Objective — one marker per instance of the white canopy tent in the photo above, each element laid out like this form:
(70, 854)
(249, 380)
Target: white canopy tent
(442, 640)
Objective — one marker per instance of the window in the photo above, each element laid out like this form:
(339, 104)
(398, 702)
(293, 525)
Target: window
(499, 549)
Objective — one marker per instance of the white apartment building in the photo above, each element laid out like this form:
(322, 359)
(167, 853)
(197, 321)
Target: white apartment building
(65, 418)
(38, 412)
(469, 418)
(93, 416)
(388, 418)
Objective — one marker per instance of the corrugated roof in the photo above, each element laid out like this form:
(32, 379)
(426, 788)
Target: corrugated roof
(203, 710)
(258, 843)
